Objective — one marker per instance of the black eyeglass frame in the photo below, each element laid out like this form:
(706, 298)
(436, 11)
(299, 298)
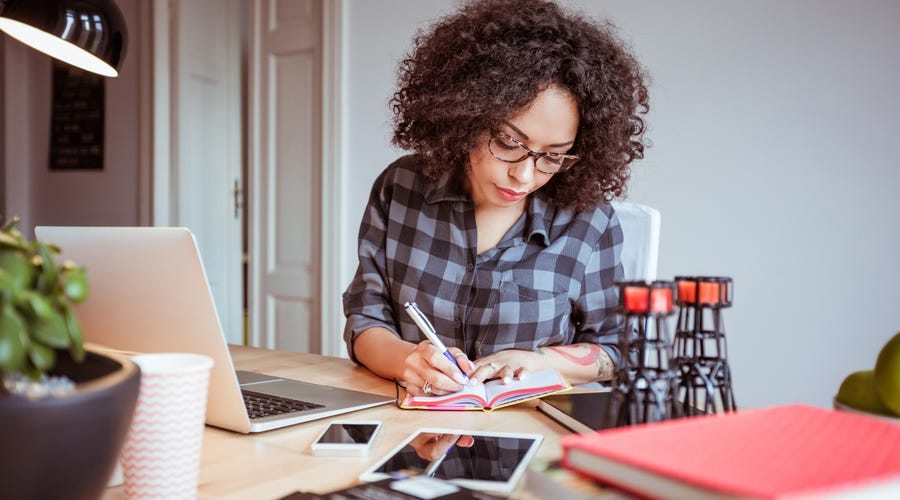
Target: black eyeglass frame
(528, 152)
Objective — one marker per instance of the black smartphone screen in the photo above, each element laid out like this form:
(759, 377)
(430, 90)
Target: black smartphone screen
(348, 433)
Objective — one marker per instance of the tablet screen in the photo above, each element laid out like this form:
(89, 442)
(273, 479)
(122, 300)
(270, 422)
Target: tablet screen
(490, 461)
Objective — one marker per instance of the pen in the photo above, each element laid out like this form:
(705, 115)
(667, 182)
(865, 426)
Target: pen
(431, 334)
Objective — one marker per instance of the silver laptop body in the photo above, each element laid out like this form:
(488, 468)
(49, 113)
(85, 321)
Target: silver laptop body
(148, 292)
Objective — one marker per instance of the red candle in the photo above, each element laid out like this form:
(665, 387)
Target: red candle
(687, 290)
(636, 299)
(709, 292)
(661, 300)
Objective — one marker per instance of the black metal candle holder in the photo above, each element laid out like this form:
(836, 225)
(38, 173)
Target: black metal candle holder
(644, 389)
(701, 355)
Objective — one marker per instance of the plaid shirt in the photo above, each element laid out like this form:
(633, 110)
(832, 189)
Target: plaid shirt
(549, 281)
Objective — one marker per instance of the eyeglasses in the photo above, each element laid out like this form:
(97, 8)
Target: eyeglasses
(505, 148)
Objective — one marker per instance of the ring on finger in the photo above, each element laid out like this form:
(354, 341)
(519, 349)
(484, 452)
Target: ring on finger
(426, 388)
(494, 366)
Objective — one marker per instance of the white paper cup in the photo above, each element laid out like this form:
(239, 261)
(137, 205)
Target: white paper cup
(161, 456)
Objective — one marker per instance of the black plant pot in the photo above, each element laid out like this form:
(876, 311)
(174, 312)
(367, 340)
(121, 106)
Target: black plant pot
(67, 447)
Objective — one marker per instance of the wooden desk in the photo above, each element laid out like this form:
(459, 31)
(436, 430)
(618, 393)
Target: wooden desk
(273, 464)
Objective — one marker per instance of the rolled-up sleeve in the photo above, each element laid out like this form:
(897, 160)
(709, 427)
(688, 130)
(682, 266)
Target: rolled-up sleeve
(367, 301)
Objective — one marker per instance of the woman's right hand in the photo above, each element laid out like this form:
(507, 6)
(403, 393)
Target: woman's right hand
(428, 372)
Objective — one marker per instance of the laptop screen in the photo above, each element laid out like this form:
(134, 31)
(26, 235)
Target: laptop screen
(148, 292)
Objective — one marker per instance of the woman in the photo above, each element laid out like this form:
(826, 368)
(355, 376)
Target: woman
(522, 120)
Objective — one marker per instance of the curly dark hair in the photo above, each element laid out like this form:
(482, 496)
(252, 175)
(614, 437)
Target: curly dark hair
(488, 61)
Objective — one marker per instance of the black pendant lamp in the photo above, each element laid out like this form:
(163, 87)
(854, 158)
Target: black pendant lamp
(89, 34)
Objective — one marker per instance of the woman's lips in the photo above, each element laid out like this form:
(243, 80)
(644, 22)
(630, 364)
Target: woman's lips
(511, 195)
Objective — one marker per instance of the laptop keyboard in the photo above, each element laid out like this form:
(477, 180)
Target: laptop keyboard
(265, 405)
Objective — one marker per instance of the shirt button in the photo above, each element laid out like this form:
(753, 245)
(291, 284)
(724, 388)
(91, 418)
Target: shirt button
(457, 323)
(470, 267)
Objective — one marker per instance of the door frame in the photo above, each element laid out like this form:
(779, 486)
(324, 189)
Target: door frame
(158, 78)
(333, 175)
(161, 187)
(146, 113)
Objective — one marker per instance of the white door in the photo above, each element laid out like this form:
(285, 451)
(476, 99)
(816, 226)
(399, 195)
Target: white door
(285, 131)
(206, 143)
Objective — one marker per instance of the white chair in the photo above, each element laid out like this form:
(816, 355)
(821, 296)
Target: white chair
(640, 248)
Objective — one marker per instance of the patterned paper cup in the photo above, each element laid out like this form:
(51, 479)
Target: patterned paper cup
(161, 457)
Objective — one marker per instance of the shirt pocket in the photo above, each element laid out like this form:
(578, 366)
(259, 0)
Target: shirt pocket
(528, 318)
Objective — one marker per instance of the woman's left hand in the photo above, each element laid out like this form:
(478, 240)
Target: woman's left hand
(507, 366)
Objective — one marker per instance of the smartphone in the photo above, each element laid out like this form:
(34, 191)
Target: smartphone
(347, 437)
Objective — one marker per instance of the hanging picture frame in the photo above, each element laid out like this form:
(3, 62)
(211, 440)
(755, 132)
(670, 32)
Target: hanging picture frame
(77, 119)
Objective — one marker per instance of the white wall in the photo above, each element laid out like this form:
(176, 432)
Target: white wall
(20, 135)
(774, 161)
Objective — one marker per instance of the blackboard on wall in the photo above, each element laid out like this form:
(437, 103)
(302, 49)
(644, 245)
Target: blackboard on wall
(76, 123)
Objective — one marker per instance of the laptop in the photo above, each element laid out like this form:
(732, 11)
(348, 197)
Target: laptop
(148, 292)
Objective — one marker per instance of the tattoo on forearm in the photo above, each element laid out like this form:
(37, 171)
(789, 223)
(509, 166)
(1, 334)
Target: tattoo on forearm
(586, 355)
(604, 366)
(582, 354)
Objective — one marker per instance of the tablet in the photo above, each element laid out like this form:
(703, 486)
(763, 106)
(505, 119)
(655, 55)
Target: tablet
(479, 460)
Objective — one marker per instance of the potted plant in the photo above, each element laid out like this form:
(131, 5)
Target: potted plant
(65, 409)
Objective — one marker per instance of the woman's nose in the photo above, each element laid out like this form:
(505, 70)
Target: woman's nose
(523, 171)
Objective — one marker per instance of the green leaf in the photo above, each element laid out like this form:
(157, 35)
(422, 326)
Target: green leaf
(75, 284)
(12, 341)
(51, 330)
(49, 271)
(7, 285)
(31, 372)
(41, 356)
(76, 348)
(18, 266)
(10, 241)
(11, 224)
(39, 304)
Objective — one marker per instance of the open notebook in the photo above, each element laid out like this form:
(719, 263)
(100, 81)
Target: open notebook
(492, 394)
(148, 292)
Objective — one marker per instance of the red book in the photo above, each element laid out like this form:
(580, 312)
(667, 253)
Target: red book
(780, 452)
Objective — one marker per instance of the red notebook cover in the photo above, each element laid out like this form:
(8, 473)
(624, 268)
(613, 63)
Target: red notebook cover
(779, 452)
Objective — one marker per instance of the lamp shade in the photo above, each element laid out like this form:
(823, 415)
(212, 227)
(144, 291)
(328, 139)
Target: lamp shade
(89, 34)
